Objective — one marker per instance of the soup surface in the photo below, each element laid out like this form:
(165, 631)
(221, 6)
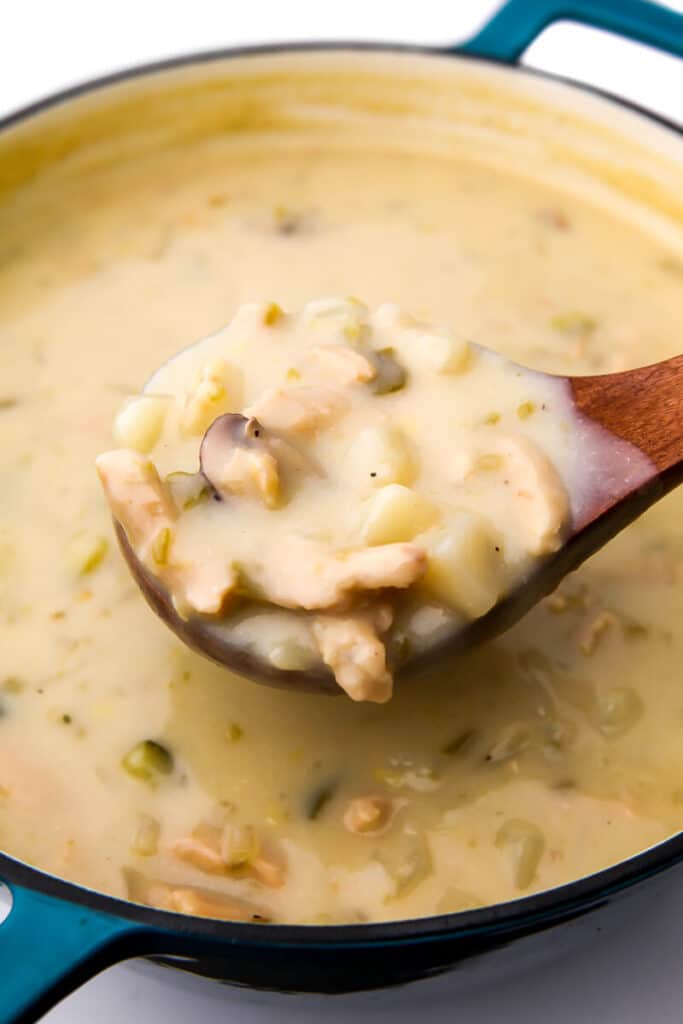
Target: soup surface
(133, 766)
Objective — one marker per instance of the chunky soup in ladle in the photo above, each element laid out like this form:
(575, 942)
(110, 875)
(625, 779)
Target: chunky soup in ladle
(347, 490)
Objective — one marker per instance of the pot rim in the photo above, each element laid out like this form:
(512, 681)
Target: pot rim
(538, 910)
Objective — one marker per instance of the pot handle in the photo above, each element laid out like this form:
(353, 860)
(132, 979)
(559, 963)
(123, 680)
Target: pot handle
(49, 946)
(515, 26)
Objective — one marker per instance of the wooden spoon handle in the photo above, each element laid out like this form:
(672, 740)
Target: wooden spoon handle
(643, 407)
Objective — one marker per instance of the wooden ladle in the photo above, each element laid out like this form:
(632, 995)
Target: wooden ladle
(641, 409)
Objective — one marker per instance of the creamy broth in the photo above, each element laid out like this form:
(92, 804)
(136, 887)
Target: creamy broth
(548, 754)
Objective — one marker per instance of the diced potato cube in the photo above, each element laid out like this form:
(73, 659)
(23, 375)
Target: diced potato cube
(433, 351)
(389, 319)
(424, 349)
(523, 844)
(397, 513)
(140, 422)
(465, 564)
(379, 456)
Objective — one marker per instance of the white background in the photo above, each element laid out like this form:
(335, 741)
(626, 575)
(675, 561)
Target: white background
(47, 45)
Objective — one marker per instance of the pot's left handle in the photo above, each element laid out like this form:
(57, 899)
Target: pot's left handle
(514, 26)
(48, 947)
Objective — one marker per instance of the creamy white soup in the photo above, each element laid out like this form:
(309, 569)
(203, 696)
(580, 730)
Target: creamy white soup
(133, 766)
(343, 487)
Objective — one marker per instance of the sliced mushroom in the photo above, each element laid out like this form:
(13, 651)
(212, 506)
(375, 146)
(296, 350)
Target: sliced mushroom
(238, 456)
(389, 375)
(236, 459)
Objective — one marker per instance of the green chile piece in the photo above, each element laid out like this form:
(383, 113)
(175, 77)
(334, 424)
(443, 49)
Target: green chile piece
(147, 760)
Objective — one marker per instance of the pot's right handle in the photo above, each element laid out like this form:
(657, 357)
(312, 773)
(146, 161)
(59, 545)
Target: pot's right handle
(515, 26)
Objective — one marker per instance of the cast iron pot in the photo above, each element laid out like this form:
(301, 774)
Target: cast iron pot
(57, 934)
